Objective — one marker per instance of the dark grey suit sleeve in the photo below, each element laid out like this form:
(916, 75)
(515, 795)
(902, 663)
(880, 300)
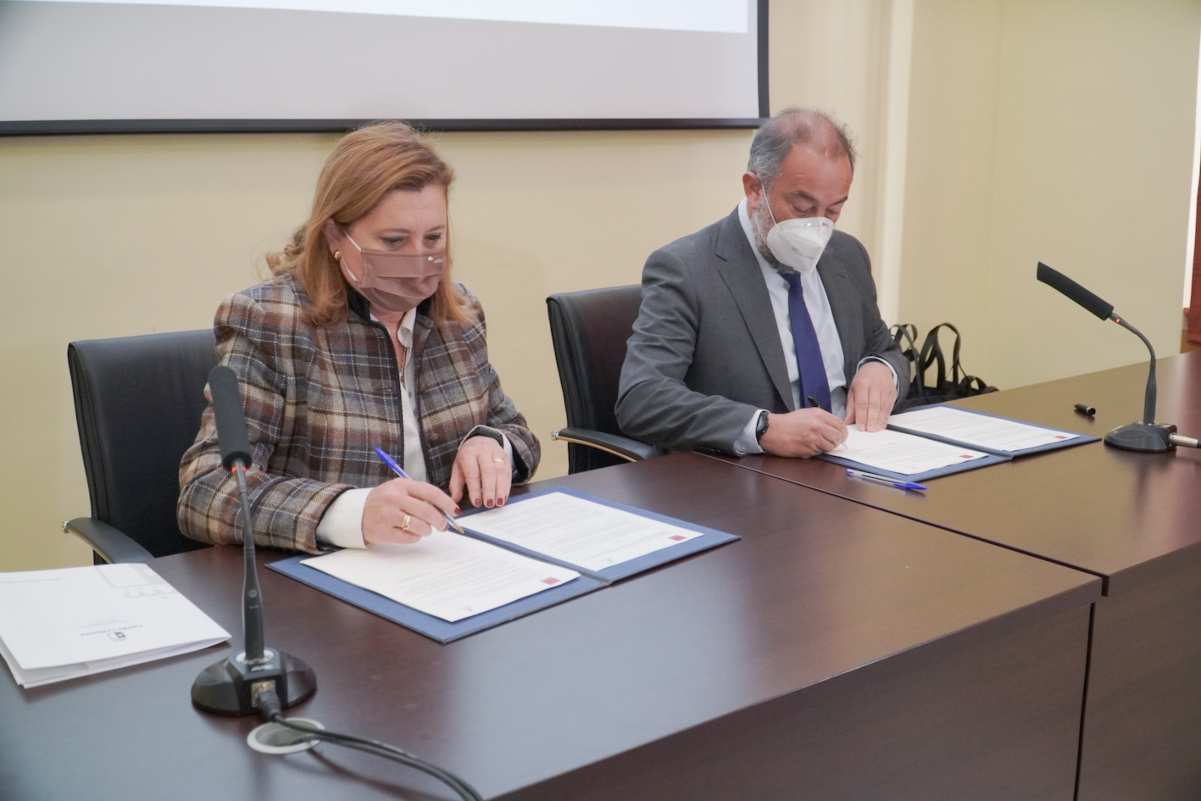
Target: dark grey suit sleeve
(653, 403)
(878, 342)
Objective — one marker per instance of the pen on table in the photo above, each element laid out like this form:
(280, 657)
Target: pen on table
(891, 482)
(400, 471)
(1085, 409)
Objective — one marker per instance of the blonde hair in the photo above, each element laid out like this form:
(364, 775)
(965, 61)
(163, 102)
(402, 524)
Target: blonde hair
(364, 166)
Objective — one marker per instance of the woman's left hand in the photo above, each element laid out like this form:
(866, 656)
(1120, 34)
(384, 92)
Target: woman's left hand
(483, 470)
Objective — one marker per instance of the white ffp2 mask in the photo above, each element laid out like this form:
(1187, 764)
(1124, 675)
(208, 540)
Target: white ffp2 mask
(798, 243)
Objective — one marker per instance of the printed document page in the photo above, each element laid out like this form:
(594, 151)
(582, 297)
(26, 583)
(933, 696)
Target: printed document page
(60, 624)
(896, 452)
(445, 575)
(980, 430)
(578, 531)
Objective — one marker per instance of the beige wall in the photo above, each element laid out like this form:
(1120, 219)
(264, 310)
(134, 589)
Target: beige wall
(107, 236)
(1060, 131)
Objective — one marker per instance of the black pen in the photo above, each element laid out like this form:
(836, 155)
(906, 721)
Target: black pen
(1084, 409)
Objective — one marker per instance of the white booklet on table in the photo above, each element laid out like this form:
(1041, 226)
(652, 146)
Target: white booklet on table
(61, 624)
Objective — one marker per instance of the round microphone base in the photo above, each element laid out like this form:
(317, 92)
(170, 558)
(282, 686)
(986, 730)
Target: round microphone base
(1142, 437)
(228, 687)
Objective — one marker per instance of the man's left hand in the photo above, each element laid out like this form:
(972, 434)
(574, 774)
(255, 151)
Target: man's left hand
(870, 399)
(484, 471)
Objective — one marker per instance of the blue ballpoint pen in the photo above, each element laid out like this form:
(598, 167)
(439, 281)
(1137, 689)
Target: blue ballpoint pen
(400, 471)
(891, 482)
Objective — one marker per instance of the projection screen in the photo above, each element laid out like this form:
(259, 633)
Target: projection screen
(313, 65)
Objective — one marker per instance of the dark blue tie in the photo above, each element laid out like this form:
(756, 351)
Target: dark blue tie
(804, 341)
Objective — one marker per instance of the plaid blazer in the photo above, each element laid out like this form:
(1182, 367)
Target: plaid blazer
(318, 399)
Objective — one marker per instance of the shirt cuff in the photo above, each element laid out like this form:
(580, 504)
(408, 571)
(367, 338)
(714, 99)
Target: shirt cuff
(747, 443)
(342, 523)
(895, 383)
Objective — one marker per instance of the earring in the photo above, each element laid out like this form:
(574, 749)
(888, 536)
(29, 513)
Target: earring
(337, 255)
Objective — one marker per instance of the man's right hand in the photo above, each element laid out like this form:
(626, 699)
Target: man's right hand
(804, 432)
(404, 511)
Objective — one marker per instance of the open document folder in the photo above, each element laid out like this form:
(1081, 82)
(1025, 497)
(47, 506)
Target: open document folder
(445, 575)
(939, 440)
(534, 552)
(60, 624)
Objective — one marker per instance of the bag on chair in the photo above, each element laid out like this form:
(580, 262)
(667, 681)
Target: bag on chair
(940, 386)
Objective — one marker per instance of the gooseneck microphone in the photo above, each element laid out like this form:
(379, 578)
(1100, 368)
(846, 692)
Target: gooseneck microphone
(1146, 436)
(235, 685)
(1066, 286)
(231, 423)
(235, 457)
(1094, 304)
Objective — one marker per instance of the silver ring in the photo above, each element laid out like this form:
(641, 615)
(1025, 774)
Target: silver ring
(499, 459)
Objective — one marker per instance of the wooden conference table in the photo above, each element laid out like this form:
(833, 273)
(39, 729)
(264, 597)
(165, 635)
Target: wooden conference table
(1132, 519)
(835, 652)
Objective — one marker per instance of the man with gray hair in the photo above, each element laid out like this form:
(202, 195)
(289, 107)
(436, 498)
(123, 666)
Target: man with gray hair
(760, 333)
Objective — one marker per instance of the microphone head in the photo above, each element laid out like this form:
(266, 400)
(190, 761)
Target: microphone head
(231, 422)
(1074, 291)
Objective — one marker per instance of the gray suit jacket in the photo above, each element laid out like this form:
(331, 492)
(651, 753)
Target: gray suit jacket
(705, 352)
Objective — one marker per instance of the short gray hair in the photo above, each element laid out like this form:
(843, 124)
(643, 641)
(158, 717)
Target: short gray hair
(796, 126)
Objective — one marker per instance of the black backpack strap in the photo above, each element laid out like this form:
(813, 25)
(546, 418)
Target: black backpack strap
(930, 356)
(905, 334)
(932, 353)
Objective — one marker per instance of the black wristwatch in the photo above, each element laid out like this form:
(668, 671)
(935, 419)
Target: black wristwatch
(761, 426)
(486, 431)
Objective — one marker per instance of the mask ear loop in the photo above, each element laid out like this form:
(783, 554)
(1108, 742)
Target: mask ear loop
(346, 269)
(338, 255)
(763, 191)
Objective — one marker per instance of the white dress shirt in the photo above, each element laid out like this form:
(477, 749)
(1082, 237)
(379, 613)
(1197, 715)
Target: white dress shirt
(828, 340)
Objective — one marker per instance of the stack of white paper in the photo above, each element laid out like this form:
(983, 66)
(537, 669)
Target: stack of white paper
(61, 624)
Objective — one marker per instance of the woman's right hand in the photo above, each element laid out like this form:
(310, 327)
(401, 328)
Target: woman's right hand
(403, 511)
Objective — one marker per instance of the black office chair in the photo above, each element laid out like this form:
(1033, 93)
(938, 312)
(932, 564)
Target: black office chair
(589, 330)
(137, 403)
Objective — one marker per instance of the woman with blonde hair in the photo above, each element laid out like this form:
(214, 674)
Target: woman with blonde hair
(360, 340)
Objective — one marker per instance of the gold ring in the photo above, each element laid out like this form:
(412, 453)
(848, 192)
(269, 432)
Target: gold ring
(405, 521)
(499, 459)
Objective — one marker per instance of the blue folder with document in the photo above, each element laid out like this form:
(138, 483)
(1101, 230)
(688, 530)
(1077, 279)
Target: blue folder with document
(539, 550)
(1023, 438)
(940, 440)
